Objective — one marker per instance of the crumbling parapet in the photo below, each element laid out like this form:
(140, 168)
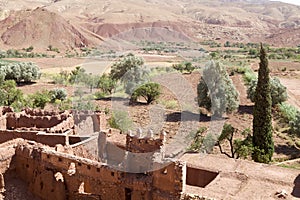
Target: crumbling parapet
(85, 122)
(137, 143)
(62, 127)
(36, 122)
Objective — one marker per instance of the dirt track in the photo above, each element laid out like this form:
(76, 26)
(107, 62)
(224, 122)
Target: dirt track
(293, 91)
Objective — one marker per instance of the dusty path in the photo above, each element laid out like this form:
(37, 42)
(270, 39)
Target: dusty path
(293, 91)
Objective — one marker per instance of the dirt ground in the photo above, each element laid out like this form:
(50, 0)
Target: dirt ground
(293, 90)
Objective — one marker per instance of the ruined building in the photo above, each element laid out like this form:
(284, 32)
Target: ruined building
(54, 157)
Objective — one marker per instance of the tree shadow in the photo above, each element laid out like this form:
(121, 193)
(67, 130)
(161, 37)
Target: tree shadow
(187, 116)
(21, 84)
(296, 189)
(104, 99)
(291, 151)
(245, 109)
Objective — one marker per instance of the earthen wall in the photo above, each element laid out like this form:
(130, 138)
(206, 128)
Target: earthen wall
(39, 167)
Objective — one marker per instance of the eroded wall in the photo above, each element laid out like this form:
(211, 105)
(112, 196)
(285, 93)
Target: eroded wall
(54, 174)
(54, 123)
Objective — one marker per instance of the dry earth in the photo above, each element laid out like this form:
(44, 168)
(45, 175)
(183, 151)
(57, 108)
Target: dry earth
(73, 24)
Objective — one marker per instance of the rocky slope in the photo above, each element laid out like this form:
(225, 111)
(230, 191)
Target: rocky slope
(75, 23)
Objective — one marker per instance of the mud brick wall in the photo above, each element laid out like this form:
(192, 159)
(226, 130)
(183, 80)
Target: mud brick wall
(40, 112)
(137, 144)
(47, 139)
(20, 120)
(55, 124)
(54, 175)
(52, 122)
(169, 181)
(88, 122)
(6, 156)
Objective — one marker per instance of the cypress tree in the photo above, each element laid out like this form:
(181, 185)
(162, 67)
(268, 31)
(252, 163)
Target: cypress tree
(262, 121)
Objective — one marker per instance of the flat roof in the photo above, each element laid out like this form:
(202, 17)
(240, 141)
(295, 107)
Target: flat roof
(242, 179)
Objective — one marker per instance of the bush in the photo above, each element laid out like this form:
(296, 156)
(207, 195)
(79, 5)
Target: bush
(248, 77)
(287, 112)
(20, 71)
(61, 78)
(184, 66)
(99, 95)
(77, 75)
(171, 104)
(10, 95)
(120, 120)
(40, 99)
(295, 125)
(125, 64)
(278, 91)
(106, 84)
(178, 67)
(58, 94)
(63, 105)
(149, 91)
(198, 140)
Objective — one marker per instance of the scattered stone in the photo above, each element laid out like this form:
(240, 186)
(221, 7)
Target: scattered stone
(281, 194)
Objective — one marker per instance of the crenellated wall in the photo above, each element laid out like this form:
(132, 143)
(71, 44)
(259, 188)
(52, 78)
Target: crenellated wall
(139, 144)
(54, 175)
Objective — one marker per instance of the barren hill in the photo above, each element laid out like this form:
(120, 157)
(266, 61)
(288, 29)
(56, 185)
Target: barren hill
(75, 23)
(40, 28)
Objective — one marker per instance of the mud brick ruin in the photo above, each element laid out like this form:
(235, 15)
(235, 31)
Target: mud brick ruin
(54, 157)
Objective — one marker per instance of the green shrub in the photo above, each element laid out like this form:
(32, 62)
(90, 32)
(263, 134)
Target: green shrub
(125, 64)
(295, 125)
(58, 94)
(149, 91)
(99, 95)
(198, 140)
(63, 105)
(61, 78)
(184, 66)
(40, 99)
(178, 67)
(106, 84)
(20, 71)
(287, 112)
(10, 95)
(77, 75)
(278, 91)
(171, 104)
(249, 76)
(120, 120)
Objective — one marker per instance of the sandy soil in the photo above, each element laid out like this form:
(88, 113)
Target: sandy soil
(293, 90)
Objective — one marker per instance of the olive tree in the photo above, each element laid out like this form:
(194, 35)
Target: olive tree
(216, 91)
